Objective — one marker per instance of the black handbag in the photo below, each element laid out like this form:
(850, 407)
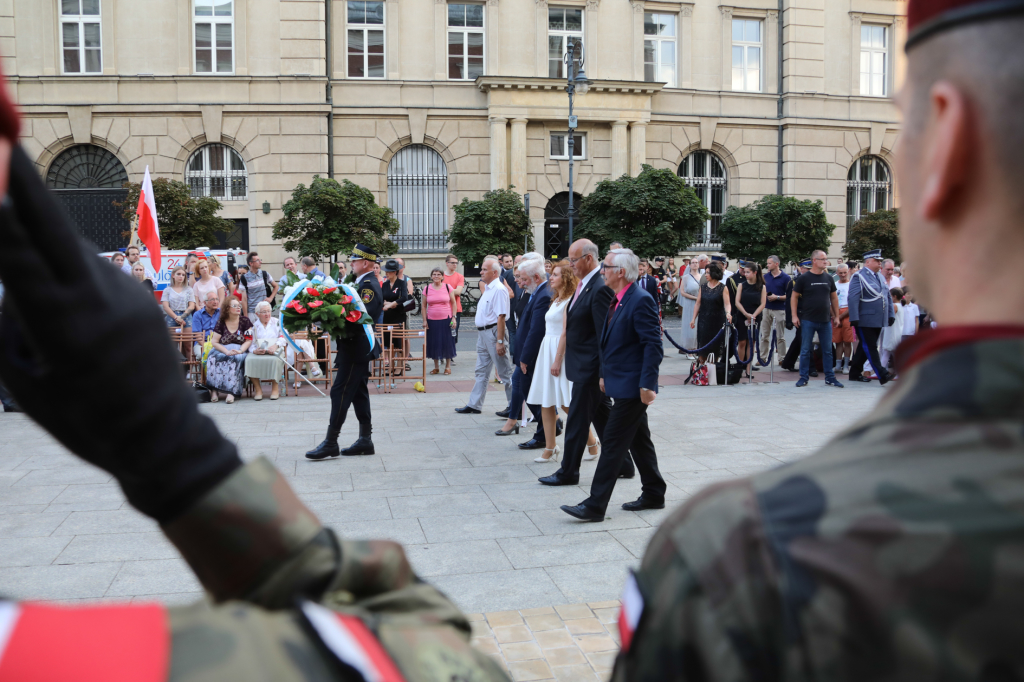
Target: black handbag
(202, 392)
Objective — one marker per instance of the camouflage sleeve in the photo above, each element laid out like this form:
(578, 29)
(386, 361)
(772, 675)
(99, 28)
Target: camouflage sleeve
(251, 539)
(705, 581)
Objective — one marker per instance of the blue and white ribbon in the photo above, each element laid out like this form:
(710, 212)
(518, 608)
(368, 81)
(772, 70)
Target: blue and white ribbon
(294, 290)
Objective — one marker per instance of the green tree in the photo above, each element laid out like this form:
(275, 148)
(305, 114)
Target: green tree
(787, 227)
(495, 224)
(328, 218)
(878, 230)
(185, 222)
(653, 214)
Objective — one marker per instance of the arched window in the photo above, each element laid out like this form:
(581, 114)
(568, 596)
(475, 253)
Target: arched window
(86, 166)
(705, 173)
(418, 195)
(216, 170)
(868, 188)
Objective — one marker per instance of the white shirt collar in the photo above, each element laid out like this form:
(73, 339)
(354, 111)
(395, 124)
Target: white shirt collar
(363, 276)
(589, 276)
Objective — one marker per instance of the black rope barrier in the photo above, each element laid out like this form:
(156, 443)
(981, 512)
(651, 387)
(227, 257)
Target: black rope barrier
(697, 351)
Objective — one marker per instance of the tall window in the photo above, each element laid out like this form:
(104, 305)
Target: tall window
(465, 41)
(868, 188)
(216, 170)
(418, 194)
(746, 55)
(563, 23)
(214, 25)
(80, 36)
(874, 61)
(365, 39)
(660, 48)
(705, 173)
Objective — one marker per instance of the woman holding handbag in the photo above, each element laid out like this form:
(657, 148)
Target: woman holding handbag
(711, 312)
(439, 321)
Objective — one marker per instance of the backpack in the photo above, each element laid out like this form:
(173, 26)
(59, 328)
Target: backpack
(269, 287)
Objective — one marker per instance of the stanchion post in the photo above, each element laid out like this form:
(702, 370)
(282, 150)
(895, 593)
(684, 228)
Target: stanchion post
(728, 351)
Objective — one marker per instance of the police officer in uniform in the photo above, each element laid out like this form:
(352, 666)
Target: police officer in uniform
(870, 307)
(352, 365)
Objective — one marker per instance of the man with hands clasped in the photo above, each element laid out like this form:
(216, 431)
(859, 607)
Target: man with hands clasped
(816, 291)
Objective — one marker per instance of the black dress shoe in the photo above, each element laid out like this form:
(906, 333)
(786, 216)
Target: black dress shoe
(884, 379)
(555, 479)
(533, 444)
(503, 413)
(467, 410)
(582, 512)
(861, 379)
(328, 448)
(514, 430)
(814, 372)
(627, 475)
(641, 503)
(558, 428)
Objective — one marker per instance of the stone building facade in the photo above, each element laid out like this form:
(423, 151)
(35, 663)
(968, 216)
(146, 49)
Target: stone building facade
(426, 102)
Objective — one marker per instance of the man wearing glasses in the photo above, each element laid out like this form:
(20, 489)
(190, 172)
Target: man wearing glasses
(458, 284)
(815, 291)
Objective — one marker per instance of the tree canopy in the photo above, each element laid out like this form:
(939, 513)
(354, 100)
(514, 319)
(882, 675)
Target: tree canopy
(495, 224)
(878, 230)
(328, 218)
(185, 222)
(787, 227)
(653, 214)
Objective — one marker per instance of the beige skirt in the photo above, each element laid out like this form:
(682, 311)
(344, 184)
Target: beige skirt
(264, 367)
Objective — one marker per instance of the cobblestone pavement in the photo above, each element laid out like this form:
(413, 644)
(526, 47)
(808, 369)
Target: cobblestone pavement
(465, 503)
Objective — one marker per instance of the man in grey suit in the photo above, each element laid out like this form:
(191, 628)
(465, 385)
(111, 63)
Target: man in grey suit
(870, 307)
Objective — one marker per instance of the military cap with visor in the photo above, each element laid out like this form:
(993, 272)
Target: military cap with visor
(363, 252)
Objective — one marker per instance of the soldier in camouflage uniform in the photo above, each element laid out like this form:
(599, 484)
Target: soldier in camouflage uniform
(289, 599)
(896, 553)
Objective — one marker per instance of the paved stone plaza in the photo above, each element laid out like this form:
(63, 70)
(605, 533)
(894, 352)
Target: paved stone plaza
(467, 506)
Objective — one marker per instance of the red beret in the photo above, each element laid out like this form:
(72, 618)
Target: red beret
(925, 18)
(10, 122)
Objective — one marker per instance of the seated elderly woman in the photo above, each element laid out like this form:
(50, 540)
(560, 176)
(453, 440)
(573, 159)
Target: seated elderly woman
(231, 339)
(264, 362)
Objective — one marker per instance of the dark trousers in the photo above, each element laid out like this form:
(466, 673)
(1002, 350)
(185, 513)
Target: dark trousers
(626, 433)
(7, 401)
(458, 323)
(793, 353)
(352, 369)
(524, 388)
(588, 406)
(868, 336)
(515, 405)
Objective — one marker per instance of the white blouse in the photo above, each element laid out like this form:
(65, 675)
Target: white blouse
(271, 332)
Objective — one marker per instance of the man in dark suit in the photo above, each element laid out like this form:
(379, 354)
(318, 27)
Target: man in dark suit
(583, 325)
(631, 353)
(352, 365)
(514, 410)
(530, 334)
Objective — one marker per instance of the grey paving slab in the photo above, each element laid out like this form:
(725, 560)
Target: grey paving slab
(118, 521)
(557, 522)
(88, 498)
(332, 482)
(455, 558)
(335, 465)
(426, 460)
(174, 599)
(344, 511)
(398, 479)
(634, 539)
(489, 474)
(8, 478)
(30, 551)
(30, 525)
(405, 531)
(79, 581)
(563, 550)
(43, 494)
(160, 576)
(462, 504)
(83, 549)
(509, 497)
(591, 582)
(477, 527)
(500, 590)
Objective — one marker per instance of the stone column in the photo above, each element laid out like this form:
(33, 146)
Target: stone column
(637, 147)
(620, 150)
(499, 162)
(518, 160)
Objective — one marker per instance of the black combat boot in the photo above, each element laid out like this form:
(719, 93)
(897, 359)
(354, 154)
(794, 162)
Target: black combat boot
(328, 448)
(363, 445)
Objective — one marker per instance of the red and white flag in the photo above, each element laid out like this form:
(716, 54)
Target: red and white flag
(149, 230)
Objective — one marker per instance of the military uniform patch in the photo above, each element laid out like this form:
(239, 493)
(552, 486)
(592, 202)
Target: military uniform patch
(367, 295)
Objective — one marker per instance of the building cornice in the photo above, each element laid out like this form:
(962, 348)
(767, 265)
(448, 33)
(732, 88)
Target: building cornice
(488, 83)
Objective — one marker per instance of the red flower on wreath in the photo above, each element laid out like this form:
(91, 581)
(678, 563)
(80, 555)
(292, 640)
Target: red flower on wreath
(330, 290)
(315, 304)
(300, 310)
(353, 316)
(312, 292)
(345, 300)
(293, 305)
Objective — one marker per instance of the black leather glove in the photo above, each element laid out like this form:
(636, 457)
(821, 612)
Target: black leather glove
(86, 353)
(891, 320)
(854, 323)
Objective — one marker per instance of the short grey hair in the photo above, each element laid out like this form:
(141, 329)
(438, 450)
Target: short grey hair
(263, 304)
(494, 265)
(532, 267)
(211, 293)
(774, 258)
(628, 261)
(532, 255)
(889, 261)
(703, 257)
(842, 266)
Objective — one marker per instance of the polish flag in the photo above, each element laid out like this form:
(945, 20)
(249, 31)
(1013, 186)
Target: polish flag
(149, 230)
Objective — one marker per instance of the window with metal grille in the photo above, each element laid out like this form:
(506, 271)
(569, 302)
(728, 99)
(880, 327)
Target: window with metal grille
(705, 173)
(418, 195)
(214, 26)
(465, 45)
(868, 188)
(80, 36)
(218, 171)
(86, 166)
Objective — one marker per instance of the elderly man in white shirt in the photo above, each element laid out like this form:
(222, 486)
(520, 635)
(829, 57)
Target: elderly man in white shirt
(491, 347)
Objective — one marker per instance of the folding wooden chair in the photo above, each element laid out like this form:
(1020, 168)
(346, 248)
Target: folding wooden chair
(325, 358)
(405, 355)
(184, 341)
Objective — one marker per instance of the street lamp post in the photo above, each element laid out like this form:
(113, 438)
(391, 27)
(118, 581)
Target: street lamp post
(576, 79)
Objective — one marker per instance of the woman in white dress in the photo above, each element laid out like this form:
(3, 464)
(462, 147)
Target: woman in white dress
(264, 362)
(551, 389)
(689, 286)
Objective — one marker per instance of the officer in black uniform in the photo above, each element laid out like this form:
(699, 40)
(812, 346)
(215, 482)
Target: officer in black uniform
(352, 365)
